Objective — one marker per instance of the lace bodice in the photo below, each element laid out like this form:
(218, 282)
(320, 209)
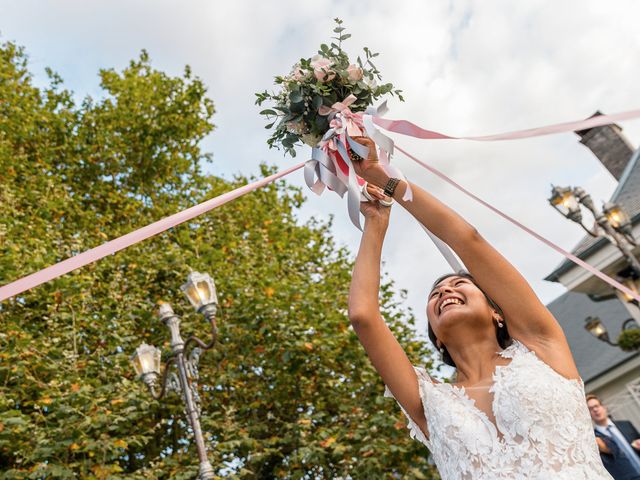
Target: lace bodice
(543, 432)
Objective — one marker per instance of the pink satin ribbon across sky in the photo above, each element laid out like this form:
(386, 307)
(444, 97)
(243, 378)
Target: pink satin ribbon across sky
(90, 256)
(405, 127)
(534, 234)
(398, 126)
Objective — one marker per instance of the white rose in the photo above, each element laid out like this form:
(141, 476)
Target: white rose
(311, 139)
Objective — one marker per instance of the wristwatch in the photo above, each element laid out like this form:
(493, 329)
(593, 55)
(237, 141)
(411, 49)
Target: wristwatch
(390, 187)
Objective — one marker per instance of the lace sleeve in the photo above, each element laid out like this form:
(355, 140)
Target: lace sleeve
(414, 429)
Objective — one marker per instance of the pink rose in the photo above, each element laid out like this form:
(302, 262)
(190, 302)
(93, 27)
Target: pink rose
(321, 68)
(298, 74)
(355, 73)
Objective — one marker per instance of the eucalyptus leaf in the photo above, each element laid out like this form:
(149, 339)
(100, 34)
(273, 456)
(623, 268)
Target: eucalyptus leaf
(296, 96)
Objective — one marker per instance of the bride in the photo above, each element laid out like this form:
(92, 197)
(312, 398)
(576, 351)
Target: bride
(517, 409)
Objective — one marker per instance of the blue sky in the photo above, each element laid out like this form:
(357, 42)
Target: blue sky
(465, 67)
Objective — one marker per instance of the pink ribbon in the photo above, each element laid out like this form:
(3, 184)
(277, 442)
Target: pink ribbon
(405, 127)
(90, 256)
(330, 161)
(534, 234)
(399, 126)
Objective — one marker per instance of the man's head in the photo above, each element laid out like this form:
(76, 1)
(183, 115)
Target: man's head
(597, 410)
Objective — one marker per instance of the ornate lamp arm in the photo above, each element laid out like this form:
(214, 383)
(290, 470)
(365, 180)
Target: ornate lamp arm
(150, 380)
(594, 233)
(209, 313)
(584, 199)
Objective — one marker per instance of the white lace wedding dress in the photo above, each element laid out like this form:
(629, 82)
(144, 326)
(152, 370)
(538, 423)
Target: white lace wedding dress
(544, 430)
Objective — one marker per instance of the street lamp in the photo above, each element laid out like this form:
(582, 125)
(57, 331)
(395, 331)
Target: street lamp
(619, 220)
(632, 284)
(200, 290)
(596, 328)
(146, 362)
(612, 223)
(564, 200)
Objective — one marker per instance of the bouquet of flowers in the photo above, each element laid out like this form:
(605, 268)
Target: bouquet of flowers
(324, 102)
(301, 109)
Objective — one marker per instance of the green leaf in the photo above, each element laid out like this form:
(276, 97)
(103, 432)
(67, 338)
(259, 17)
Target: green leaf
(295, 96)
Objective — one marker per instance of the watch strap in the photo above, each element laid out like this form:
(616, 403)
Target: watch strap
(390, 187)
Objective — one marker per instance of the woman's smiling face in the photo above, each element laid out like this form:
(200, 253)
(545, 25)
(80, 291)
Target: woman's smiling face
(453, 300)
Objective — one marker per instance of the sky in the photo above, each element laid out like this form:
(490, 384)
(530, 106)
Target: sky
(466, 68)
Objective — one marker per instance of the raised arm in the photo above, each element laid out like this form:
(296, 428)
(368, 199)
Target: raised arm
(386, 354)
(528, 319)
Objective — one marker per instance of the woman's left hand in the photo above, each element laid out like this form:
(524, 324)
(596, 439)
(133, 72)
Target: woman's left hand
(373, 211)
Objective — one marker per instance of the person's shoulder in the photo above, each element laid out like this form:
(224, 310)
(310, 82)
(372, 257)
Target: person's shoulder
(623, 424)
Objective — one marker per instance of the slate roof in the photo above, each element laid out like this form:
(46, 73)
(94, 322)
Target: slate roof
(593, 357)
(628, 195)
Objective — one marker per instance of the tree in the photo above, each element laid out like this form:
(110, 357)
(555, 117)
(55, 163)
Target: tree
(287, 393)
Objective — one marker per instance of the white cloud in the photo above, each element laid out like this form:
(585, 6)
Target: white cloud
(465, 67)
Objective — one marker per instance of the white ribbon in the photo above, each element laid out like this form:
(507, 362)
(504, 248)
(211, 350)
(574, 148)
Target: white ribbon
(386, 148)
(445, 250)
(322, 167)
(321, 170)
(385, 145)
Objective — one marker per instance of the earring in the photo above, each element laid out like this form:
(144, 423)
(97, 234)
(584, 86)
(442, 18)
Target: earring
(441, 354)
(500, 324)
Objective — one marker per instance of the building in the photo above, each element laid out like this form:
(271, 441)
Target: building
(610, 373)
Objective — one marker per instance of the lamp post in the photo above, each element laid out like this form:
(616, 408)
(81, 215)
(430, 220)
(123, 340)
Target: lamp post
(612, 222)
(200, 290)
(595, 327)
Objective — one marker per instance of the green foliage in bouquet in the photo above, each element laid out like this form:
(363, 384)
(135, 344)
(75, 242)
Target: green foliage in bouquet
(323, 79)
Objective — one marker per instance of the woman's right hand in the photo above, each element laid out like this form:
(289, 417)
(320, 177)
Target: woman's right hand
(368, 167)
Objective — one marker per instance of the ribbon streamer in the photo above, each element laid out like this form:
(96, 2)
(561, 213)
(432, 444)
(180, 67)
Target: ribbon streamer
(570, 256)
(90, 256)
(405, 127)
(385, 145)
(331, 163)
(328, 174)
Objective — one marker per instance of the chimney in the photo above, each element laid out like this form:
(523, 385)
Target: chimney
(608, 144)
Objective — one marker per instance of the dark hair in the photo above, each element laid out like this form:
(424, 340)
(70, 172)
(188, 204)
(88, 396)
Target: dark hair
(502, 334)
